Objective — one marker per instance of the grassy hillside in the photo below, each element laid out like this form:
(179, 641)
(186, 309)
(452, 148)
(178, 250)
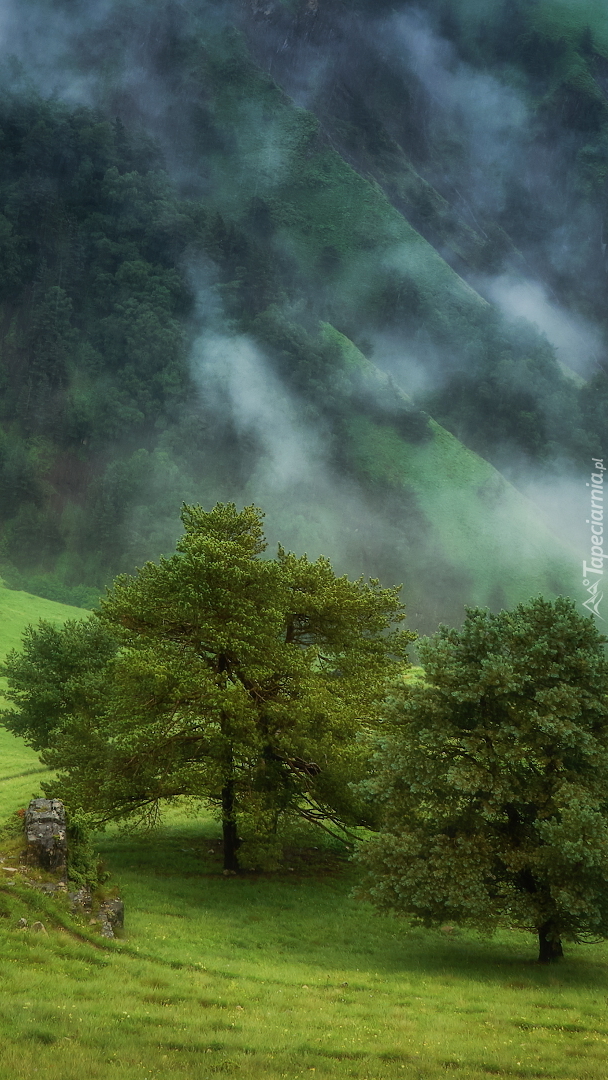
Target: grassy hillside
(270, 977)
(340, 230)
(561, 18)
(279, 977)
(19, 609)
(482, 524)
(479, 526)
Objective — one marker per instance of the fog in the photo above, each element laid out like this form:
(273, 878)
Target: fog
(239, 383)
(116, 58)
(577, 342)
(489, 116)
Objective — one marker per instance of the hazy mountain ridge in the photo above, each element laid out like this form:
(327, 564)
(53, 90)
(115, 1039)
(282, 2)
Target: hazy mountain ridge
(167, 275)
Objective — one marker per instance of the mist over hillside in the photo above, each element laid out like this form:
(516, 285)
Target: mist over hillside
(343, 260)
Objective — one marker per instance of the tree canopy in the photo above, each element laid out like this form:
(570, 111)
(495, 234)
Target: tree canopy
(494, 780)
(240, 680)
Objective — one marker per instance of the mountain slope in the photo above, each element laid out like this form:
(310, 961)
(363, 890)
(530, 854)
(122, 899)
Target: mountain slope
(187, 287)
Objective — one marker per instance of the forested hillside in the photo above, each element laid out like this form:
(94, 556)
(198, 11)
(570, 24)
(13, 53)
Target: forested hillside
(279, 253)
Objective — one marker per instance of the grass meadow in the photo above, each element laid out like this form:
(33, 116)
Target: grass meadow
(17, 609)
(279, 976)
(282, 975)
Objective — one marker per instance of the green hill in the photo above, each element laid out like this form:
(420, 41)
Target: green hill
(459, 533)
(19, 609)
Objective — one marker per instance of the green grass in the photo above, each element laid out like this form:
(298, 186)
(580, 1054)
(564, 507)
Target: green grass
(274, 976)
(18, 609)
(16, 760)
(282, 976)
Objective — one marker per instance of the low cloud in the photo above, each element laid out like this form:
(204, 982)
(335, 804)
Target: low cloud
(577, 342)
(238, 383)
(486, 116)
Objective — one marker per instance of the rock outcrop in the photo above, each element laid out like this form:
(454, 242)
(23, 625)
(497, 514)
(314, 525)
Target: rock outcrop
(46, 836)
(108, 915)
(47, 849)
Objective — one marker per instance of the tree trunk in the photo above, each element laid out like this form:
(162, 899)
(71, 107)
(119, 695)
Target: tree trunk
(229, 829)
(549, 944)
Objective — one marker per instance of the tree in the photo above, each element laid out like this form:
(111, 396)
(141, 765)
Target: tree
(493, 780)
(59, 672)
(240, 680)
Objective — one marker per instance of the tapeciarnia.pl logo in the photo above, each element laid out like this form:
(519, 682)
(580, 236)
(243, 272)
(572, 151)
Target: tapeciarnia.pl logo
(593, 572)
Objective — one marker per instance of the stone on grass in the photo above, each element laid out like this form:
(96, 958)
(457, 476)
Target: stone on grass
(46, 840)
(109, 915)
(45, 833)
(114, 912)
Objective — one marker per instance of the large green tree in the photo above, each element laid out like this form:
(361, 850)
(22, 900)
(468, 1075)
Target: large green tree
(494, 780)
(240, 680)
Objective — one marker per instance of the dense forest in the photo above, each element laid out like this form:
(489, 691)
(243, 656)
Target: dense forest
(275, 252)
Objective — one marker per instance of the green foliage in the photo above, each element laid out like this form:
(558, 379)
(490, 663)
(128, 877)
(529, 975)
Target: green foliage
(93, 306)
(493, 780)
(84, 864)
(19, 609)
(19, 475)
(50, 587)
(59, 670)
(11, 829)
(512, 395)
(240, 680)
(90, 215)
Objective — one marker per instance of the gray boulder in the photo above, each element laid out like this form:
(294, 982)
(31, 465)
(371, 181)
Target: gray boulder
(45, 832)
(47, 849)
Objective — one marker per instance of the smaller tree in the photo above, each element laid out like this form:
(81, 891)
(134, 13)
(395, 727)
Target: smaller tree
(494, 780)
(59, 671)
